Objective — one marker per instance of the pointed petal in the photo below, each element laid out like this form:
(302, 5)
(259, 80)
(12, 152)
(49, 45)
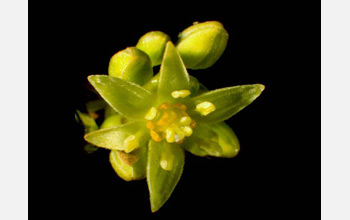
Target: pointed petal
(173, 74)
(217, 140)
(114, 138)
(161, 182)
(129, 99)
(227, 102)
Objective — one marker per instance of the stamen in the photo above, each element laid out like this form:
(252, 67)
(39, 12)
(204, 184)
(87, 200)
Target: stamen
(187, 130)
(179, 135)
(131, 143)
(180, 93)
(185, 120)
(167, 158)
(151, 114)
(205, 108)
(170, 135)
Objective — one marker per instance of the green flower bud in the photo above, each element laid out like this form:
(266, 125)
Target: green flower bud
(153, 43)
(131, 64)
(202, 44)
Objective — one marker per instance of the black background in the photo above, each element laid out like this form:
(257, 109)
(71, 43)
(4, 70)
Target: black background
(277, 172)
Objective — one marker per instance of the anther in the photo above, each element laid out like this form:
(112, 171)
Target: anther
(167, 158)
(205, 108)
(185, 120)
(180, 93)
(131, 143)
(151, 114)
(179, 135)
(187, 130)
(170, 135)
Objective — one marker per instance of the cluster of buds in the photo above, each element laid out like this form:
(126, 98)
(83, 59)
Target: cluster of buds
(151, 119)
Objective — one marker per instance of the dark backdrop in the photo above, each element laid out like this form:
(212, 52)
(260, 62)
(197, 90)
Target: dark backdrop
(277, 172)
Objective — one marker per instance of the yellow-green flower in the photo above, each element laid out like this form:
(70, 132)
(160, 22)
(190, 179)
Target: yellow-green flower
(156, 122)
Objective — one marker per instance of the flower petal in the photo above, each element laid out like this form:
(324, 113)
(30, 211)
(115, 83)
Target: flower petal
(217, 140)
(161, 182)
(129, 99)
(173, 74)
(114, 138)
(227, 102)
(203, 142)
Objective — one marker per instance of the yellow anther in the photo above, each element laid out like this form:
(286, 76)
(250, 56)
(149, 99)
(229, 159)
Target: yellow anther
(187, 130)
(185, 120)
(131, 143)
(155, 136)
(179, 135)
(205, 108)
(170, 135)
(151, 114)
(180, 93)
(167, 158)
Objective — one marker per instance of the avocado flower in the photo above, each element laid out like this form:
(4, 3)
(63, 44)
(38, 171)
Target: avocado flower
(154, 120)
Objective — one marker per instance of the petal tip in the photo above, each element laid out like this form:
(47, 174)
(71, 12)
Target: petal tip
(261, 87)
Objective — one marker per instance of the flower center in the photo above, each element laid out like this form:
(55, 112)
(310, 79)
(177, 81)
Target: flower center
(170, 122)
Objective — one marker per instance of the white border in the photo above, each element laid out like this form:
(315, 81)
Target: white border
(335, 113)
(14, 109)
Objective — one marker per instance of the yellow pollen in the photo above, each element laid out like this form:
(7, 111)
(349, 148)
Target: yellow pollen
(185, 120)
(170, 122)
(167, 158)
(180, 93)
(187, 130)
(179, 135)
(205, 108)
(151, 114)
(170, 135)
(131, 143)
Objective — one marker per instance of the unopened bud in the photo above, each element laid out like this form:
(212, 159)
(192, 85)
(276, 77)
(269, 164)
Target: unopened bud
(153, 43)
(131, 64)
(202, 44)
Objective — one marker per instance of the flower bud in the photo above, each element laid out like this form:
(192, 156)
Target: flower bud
(131, 64)
(202, 44)
(153, 43)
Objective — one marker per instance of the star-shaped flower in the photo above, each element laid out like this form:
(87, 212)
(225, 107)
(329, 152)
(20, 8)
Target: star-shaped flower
(159, 121)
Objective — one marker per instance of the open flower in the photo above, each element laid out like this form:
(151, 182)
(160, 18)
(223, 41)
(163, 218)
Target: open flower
(157, 122)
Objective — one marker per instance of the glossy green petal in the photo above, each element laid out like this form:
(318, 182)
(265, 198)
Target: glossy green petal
(129, 99)
(114, 138)
(161, 183)
(129, 166)
(173, 74)
(227, 101)
(195, 85)
(203, 142)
